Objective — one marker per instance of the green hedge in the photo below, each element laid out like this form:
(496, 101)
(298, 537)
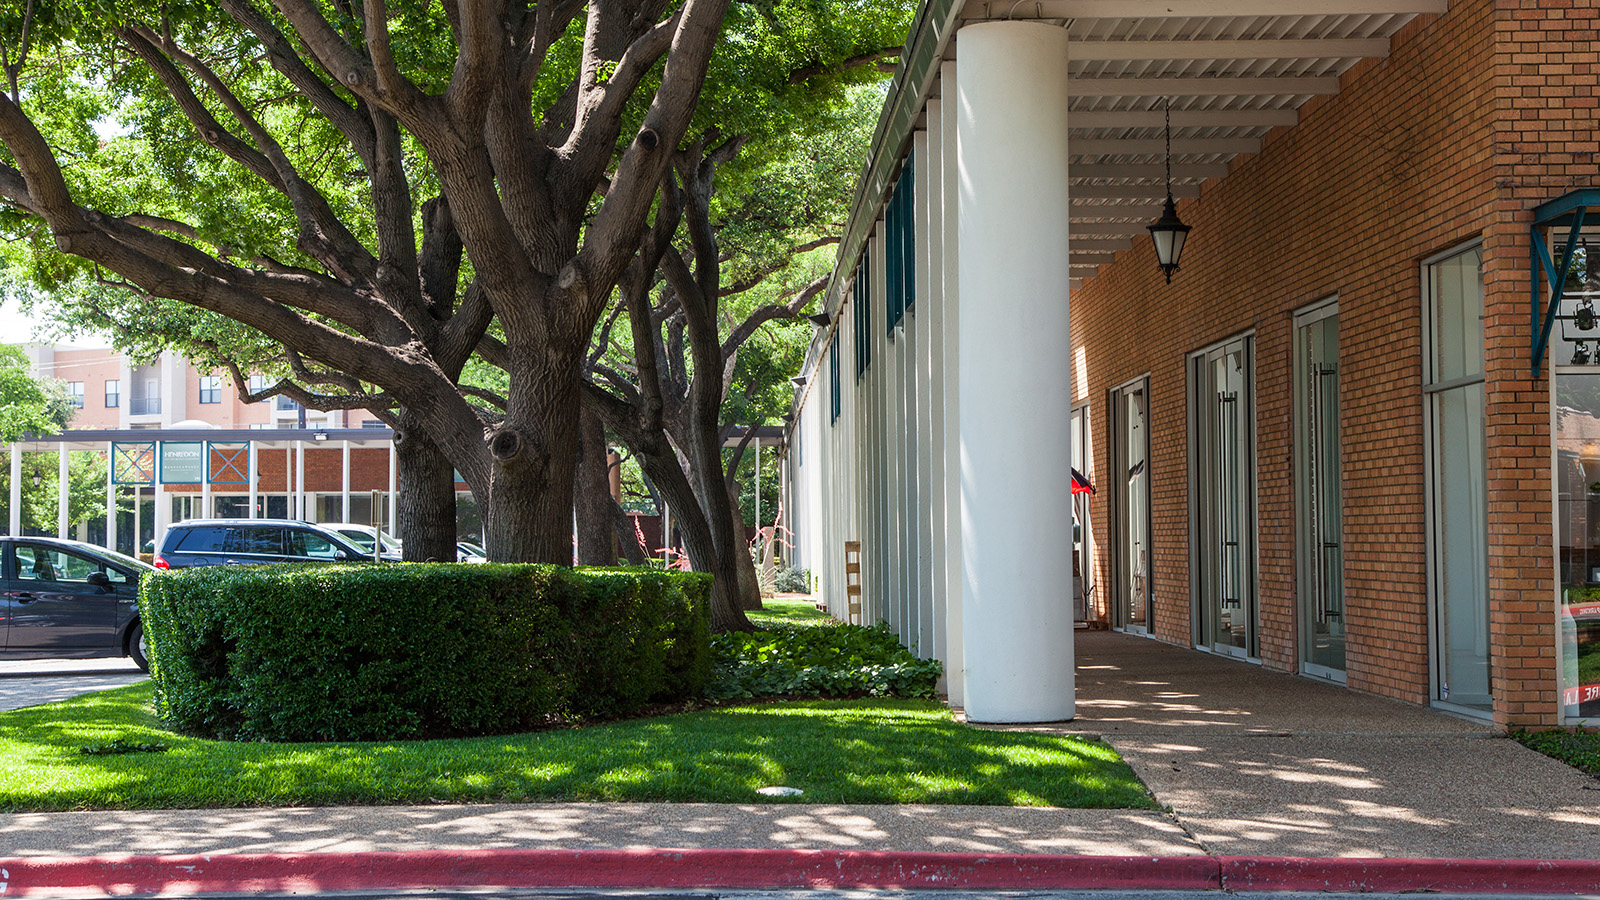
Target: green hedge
(378, 652)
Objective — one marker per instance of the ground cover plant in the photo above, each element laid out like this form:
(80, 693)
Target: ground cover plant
(802, 661)
(56, 757)
(1580, 749)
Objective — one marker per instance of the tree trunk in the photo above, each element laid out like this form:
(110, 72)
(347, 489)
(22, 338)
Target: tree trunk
(533, 463)
(426, 506)
(631, 547)
(744, 566)
(702, 546)
(592, 503)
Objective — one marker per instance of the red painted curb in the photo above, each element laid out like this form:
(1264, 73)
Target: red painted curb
(1502, 876)
(775, 869)
(750, 869)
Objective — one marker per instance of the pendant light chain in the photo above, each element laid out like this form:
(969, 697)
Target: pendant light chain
(1166, 103)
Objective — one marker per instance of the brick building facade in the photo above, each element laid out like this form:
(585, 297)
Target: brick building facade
(1322, 447)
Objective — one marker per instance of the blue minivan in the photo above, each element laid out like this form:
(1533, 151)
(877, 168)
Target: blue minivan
(249, 542)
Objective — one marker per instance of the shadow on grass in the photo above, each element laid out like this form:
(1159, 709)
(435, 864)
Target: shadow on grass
(845, 751)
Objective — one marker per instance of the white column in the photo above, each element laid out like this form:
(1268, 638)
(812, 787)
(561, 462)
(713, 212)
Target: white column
(205, 479)
(254, 478)
(955, 659)
(394, 481)
(1012, 154)
(344, 484)
(300, 481)
(930, 630)
(163, 504)
(63, 530)
(930, 395)
(111, 496)
(16, 491)
(138, 514)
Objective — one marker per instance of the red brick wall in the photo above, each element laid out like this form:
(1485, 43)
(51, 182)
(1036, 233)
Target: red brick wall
(1474, 117)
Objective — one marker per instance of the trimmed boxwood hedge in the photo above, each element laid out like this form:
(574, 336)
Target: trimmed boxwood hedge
(378, 652)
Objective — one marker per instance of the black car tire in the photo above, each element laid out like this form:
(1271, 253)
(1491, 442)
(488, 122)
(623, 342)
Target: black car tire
(136, 646)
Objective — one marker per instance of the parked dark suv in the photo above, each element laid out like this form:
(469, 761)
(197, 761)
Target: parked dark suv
(248, 542)
(68, 600)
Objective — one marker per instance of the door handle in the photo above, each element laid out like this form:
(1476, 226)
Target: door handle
(23, 597)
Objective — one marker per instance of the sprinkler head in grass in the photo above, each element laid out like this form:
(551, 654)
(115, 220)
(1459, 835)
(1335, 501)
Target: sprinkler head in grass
(779, 792)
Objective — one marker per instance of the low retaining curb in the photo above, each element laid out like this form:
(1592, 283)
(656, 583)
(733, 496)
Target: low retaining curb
(772, 869)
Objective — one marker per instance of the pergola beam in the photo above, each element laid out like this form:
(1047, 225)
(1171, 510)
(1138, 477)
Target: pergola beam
(1183, 118)
(1114, 51)
(1181, 171)
(1192, 9)
(1108, 229)
(1156, 146)
(1133, 191)
(1221, 86)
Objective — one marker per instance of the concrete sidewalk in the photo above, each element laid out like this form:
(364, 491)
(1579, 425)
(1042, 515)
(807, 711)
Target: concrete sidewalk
(1252, 764)
(1266, 764)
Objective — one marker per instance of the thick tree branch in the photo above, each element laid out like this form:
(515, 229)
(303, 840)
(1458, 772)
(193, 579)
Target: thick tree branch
(871, 57)
(764, 314)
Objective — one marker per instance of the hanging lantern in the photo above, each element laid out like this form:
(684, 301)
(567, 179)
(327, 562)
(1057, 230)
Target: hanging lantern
(1169, 232)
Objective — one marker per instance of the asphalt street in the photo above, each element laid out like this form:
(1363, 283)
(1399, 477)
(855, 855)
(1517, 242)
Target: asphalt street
(34, 681)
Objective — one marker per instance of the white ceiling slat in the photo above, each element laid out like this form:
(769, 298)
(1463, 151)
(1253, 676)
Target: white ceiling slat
(1190, 87)
(1131, 191)
(1158, 146)
(1181, 171)
(1180, 9)
(1183, 118)
(1348, 48)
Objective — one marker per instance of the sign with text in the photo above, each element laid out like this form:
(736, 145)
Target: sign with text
(182, 462)
(133, 463)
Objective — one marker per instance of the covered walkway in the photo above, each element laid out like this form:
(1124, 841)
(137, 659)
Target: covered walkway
(1259, 763)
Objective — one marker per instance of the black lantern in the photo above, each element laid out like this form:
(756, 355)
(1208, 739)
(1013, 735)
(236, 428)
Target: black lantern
(1580, 354)
(1169, 232)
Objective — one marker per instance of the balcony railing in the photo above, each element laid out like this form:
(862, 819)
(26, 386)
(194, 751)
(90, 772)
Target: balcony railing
(144, 406)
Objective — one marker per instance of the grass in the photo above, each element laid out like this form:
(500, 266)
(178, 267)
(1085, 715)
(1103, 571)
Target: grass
(1581, 749)
(105, 750)
(789, 612)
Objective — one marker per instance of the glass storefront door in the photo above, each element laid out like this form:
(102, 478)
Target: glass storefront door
(1458, 514)
(1577, 474)
(1130, 482)
(1318, 498)
(1222, 447)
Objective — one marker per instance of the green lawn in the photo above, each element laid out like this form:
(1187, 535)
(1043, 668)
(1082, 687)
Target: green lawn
(858, 751)
(789, 612)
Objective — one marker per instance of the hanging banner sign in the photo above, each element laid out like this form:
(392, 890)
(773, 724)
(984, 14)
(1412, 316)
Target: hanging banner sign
(228, 463)
(182, 462)
(133, 463)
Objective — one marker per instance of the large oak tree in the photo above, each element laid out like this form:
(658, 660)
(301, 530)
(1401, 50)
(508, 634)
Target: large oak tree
(542, 130)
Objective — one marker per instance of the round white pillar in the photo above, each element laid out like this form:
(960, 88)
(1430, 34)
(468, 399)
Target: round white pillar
(1014, 371)
(63, 470)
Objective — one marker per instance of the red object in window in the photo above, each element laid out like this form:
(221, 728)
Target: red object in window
(1080, 484)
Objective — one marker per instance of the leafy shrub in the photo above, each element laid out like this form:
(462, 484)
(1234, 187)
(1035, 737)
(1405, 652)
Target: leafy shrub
(1579, 749)
(794, 580)
(846, 660)
(347, 652)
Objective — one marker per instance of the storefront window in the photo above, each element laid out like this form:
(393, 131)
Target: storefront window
(1578, 535)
